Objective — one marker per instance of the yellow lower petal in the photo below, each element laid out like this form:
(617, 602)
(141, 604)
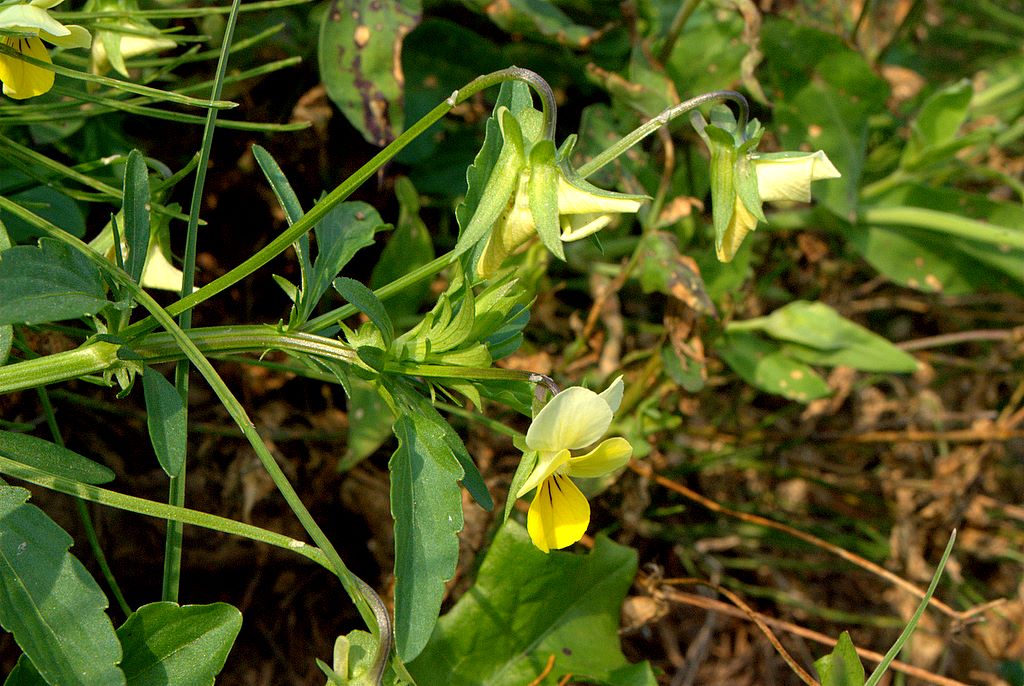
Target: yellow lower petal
(559, 514)
(23, 80)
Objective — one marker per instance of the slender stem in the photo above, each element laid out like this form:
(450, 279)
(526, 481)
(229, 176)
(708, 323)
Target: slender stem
(646, 129)
(83, 511)
(678, 22)
(349, 185)
(151, 508)
(176, 487)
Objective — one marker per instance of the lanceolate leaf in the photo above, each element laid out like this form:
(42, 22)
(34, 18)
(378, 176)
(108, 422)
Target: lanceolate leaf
(136, 214)
(527, 606)
(426, 503)
(52, 458)
(165, 643)
(49, 602)
(166, 420)
(842, 667)
(369, 304)
(6, 330)
(47, 284)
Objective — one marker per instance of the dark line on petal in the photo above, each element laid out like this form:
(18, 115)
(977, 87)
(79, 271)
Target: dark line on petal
(558, 485)
(551, 499)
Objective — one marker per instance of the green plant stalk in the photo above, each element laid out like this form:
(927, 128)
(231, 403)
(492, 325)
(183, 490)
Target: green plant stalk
(83, 511)
(191, 12)
(646, 129)
(150, 508)
(678, 22)
(943, 222)
(347, 187)
(356, 592)
(102, 356)
(176, 487)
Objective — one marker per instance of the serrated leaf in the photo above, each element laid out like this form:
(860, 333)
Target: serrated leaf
(166, 644)
(842, 667)
(48, 283)
(345, 230)
(51, 604)
(136, 214)
(52, 458)
(763, 364)
(822, 336)
(426, 504)
(360, 57)
(527, 606)
(167, 421)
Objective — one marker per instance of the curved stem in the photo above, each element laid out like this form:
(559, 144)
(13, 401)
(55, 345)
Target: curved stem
(646, 129)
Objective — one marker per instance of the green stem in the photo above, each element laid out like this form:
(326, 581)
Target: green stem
(150, 508)
(347, 187)
(176, 487)
(944, 222)
(678, 22)
(646, 129)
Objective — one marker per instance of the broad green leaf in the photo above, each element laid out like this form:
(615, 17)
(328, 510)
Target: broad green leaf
(408, 247)
(763, 364)
(823, 337)
(47, 284)
(166, 644)
(51, 604)
(826, 94)
(52, 458)
(360, 57)
(426, 504)
(709, 52)
(345, 230)
(643, 88)
(842, 667)
(528, 606)
(369, 304)
(167, 421)
(136, 214)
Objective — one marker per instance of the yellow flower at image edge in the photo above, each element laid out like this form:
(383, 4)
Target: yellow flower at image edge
(574, 419)
(26, 26)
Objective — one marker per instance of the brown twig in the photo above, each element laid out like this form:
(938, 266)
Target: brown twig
(645, 471)
(726, 609)
(756, 618)
(544, 674)
(956, 338)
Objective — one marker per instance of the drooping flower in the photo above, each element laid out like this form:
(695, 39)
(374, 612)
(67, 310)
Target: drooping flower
(24, 27)
(532, 191)
(575, 419)
(742, 179)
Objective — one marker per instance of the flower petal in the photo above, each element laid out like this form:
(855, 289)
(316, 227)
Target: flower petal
(740, 224)
(577, 226)
(45, 4)
(23, 80)
(547, 463)
(559, 514)
(788, 176)
(29, 18)
(76, 37)
(605, 458)
(575, 418)
(580, 197)
(613, 394)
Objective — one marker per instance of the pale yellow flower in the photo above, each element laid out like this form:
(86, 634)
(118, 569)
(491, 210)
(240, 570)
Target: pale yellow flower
(575, 419)
(24, 27)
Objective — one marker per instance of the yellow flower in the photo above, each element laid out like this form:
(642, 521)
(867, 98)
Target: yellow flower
(788, 175)
(24, 27)
(574, 419)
